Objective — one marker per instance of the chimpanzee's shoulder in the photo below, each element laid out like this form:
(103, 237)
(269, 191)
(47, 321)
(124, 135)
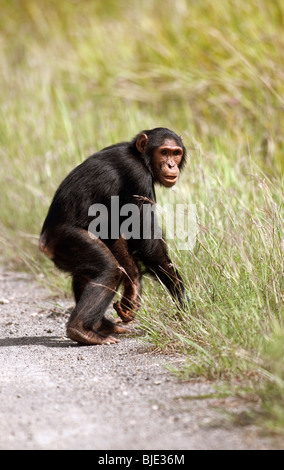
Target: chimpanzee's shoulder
(117, 149)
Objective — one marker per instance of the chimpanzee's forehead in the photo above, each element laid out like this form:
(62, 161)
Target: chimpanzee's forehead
(170, 142)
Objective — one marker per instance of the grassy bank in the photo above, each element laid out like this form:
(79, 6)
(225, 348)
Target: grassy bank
(76, 76)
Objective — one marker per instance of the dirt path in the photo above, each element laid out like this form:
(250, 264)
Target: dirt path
(57, 395)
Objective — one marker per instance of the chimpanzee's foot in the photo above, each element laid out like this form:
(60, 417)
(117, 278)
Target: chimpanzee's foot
(109, 327)
(82, 335)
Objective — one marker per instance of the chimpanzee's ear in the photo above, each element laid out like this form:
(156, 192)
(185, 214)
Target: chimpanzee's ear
(141, 142)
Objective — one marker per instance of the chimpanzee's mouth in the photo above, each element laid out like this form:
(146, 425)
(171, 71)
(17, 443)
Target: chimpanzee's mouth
(169, 180)
(170, 177)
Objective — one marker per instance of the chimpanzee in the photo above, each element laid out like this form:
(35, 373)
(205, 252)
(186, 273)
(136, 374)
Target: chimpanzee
(98, 264)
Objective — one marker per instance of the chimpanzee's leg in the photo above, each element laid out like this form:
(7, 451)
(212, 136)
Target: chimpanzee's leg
(130, 300)
(96, 276)
(87, 323)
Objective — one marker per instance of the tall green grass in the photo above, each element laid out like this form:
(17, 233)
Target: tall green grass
(76, 76)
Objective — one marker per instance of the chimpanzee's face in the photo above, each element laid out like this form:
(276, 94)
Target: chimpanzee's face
(165, 163)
